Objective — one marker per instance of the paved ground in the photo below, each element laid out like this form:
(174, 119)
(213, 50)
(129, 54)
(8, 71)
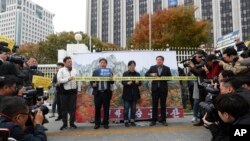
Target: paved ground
(178, 130)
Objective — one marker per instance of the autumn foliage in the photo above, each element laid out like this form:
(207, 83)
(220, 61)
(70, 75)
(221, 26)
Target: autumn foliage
(46, 51)
(175, 26)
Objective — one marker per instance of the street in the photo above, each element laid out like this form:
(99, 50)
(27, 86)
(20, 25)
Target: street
(179, 129)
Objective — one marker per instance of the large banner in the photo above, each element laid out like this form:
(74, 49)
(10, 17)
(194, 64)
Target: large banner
(86, 63)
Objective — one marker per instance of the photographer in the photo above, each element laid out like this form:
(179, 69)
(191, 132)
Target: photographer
(232, 62)
(29, 69)
(57, 93)
(225, 74)
(6, 67)
(212, 67)
(14, 113)
(196, 66)
(236, 85)
(232, 110)
(8, 86)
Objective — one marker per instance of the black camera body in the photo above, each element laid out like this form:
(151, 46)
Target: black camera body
(16, 59)
(207, 106)
(33, 95)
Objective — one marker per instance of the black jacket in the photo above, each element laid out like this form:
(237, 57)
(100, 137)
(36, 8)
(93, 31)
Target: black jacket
(131, 92)
(95, 89)
(8, 68)
(244, 93)
(163, 83)
(220, 132)
(17, 133)
(244, 120)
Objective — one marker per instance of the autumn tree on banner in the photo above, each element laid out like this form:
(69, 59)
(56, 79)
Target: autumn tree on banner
(176, 27)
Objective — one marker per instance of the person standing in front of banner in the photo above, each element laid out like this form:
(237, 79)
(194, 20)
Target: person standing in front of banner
(159, 90)
(102, 94)
(57, 92)
(66, 77)
(131, 94)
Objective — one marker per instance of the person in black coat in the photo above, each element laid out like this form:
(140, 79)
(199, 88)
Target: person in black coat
(57, 93)
(131, 94)
(233, 110)
(159, 89)
(102, 94)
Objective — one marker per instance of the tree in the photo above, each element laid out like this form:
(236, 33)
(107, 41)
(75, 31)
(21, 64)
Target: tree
(46, 51)
(176, 27)
(29, 50)
(54, 42)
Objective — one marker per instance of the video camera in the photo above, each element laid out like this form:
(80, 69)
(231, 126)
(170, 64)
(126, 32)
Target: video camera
(186, 63)
(16, 59)
(33, 95)
(207, 106)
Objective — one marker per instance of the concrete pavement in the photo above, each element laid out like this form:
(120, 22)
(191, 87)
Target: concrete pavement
(179, 129)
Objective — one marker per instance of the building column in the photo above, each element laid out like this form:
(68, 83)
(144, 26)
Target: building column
(136, 11)
(198, 15)
(236, 15)
(99, 19)
(180, 2)
(111, 22)
(150, 6)
(123, 24)
(164, 4)
(88, 15)
(216, 20)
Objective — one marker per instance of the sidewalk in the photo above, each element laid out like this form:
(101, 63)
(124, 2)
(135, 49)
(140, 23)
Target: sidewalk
(179, 129)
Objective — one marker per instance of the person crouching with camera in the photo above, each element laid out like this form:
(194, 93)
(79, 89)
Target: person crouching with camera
(14, 113)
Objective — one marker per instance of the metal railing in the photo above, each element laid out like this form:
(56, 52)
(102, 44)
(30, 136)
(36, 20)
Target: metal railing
(48, 69)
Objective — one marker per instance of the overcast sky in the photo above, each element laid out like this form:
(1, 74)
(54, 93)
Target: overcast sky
(70, 15)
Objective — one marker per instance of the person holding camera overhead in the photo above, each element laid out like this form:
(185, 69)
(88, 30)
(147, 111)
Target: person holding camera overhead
(14, 113)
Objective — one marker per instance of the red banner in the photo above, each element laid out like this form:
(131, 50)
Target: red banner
(85, 108)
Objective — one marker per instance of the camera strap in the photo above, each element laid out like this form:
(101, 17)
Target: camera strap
(5, 117)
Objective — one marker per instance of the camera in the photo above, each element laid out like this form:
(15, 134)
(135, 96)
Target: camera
(33, 95)
(207, 106)
(43, 108)
(16, 59)
(33, 112)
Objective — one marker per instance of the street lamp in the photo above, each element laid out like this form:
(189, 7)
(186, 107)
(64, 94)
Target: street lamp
(93, 48)
(131, 47)
(167, 47)
(78, 37)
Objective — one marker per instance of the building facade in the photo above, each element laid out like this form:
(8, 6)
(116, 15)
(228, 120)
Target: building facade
(226, 16)
(25, 21)
(114, 20)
